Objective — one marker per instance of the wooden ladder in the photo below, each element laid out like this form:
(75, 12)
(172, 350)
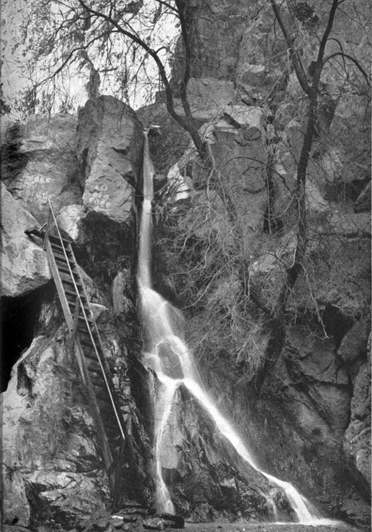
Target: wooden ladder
(86, 344)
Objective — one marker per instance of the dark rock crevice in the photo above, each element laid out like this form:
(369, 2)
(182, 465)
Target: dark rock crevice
(20, 323)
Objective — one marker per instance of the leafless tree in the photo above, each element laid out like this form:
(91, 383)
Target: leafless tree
(310, 81)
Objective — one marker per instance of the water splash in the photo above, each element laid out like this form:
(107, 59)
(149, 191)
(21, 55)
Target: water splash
(164, 402)
(169, 357)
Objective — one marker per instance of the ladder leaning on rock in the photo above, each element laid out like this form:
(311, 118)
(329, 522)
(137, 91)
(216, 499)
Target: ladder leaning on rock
(86, 344)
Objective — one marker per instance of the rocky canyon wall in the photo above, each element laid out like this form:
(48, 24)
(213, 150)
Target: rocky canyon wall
(52, 460)
(224, 245)
(221, 244)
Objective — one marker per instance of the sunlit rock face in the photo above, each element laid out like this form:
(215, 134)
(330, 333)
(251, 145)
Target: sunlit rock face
(56, 472)
(24, 264)
(40, 163)
(109, 149)
(52, 467)
(314, 415)
(207, 478)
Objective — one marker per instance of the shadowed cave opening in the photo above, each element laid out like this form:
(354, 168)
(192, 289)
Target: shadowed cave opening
(19, 326)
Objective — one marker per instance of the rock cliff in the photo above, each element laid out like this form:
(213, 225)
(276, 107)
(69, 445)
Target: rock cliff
(221, 245)
(228, 239)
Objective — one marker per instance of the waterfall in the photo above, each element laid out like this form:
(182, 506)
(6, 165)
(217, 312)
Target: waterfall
(144, 258)
(169, 357)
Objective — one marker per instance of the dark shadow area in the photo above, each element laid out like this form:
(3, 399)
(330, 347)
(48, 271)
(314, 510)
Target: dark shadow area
(336, 324)
(19, 324)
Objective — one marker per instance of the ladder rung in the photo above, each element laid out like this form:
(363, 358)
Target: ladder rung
(85, 341)
(56, 239)
(68, 279)
(90, 354)
(84, 330)
(90, 320)
(61, 256)
(72, 305)
(92, 365)
(58, 246)
(72, 308)
(71, 299)
(59, 251)
(100, 383)
(65, 268)
(61, 260)
(103, 397)
(74, 294)
(96, 374)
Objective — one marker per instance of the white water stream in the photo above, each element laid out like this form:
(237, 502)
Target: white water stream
(169, 357)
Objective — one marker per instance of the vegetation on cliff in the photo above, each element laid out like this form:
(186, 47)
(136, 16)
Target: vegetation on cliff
(262, 208)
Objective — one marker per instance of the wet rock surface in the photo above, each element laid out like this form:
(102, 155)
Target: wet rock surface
(51, 463)
(206, 475)
(312, 423)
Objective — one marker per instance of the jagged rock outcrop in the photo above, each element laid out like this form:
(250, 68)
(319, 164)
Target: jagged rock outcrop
(24, 264)
(52, 466)
(220, 252)
(40, 163)
(109, 148)
(208, 479)
(314, 391)
(53, 450)
(356, 355)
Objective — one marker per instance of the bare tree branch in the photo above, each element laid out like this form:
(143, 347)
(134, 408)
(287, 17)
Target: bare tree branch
(352, 59)
(166, 4)
(185, 122)
(297, 63)
(277, 322)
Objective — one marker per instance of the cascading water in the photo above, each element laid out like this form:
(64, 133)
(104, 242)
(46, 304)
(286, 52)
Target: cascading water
(168, 356)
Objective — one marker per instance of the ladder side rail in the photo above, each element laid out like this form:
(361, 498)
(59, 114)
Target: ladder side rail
(61, 293)
(72, 323)
(68, 262)
(64, 303)
(93, 323)
(48, 224)
(75, 321)
(101, 360)
(105, 447)
(77, 290)
(103, 370)
(75, 285)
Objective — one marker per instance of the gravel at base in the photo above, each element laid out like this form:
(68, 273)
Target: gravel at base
(266, 527)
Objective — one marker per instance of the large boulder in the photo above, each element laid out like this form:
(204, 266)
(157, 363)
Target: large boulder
(24, 263)
(208, 96)
(42, 164)
(109, 148)
(216, 30)
(200, 462)
(52, 468)
(238, 147)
